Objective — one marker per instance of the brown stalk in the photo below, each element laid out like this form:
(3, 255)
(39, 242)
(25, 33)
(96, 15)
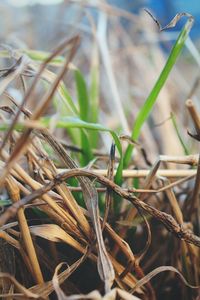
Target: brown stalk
(148, 182)
(196, 120)
(169, 222)
(166, 219)
(133, 210)
(194, 114)
(110, 175)
(175, 173)
(130, 216)
(188, 251)
(131, 190)
(9, 239)
(191, 159)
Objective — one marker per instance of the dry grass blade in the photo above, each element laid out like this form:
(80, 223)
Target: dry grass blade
(104, 264)
(156, 272)
(194, 115)
(195, 200)
(148, 181)
(12, 73)
(47, 288)
(60, 48)
(60, 294)
(148, 242)
(174, 173)
(174, 203)
(105, 267)
(54, 233)
(23, 140)
(173, 21)
(110, 176)
(188, 252)
(52, 210)
(95, 295)
(66, 217)
(12, 210)
(166, 219)
(196, 120)
(50, 171)
(15, 196)
(133, 210)
(12, 241)
(124, 247)
(163, 217)
(24, 292)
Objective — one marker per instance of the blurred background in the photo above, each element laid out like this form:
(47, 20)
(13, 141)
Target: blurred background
(130, 53)
(120, 56)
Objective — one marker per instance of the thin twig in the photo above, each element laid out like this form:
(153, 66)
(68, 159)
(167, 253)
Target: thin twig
(175, 173)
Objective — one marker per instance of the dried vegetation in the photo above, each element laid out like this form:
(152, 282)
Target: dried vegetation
(70, 224)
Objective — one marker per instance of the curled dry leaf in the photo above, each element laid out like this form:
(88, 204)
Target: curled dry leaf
(94, 295)
(56, 234)
(114, 294)
(104, 264)
(158, 270)
(48, 287)
(173, 22)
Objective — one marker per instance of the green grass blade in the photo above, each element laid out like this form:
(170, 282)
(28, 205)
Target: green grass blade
(36, 55)
(64, 105)
(87, 155)
(41, 56)
(150, 101)
(84, 108)
(64, 93)
(94, 94)
(5, 202)
(185, 149)
(72, 122)
(82, 94)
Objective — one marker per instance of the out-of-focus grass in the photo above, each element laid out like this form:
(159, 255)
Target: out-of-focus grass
(84, 105)
(150, 101)
(185, 148)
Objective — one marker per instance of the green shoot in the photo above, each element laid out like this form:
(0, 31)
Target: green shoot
(150, 101)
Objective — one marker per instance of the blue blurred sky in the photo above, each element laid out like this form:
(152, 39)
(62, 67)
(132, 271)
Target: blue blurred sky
(164, 10)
